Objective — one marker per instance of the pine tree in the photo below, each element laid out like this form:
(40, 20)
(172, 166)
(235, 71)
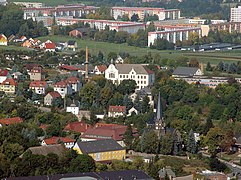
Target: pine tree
(208, 67)
(207, 126)
(191, 143)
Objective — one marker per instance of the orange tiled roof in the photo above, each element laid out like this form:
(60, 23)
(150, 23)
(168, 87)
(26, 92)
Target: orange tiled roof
(9, 81)
(79, 127)
(117, 109)
(55, 139)
(8, 121)
(38, 84)
(54, 94)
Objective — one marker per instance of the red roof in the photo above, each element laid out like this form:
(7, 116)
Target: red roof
(72, 80)
(54, 94)
(38, 84)
(55, 140)
(148, 70)
(3, 72)
(101, 68)
(61, 84)
(69, 68)
(31, 66)
(50, 46)
(79, 127)
(117, 109)
(8, 121)
(36, 70)
(103, 131)
(9, 81)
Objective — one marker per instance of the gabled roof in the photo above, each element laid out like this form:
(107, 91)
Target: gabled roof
(31, 66)
(58, 149)
(8, 121)
(54, 94)
(50, 46)
(9, 81)
(106, 131)
(79, 127)
(3, 72)
(72, 80)
(61, 84)
(36, 70)
(3, 37)
(101, 68)
(69, 68)
(71, 42)
(38, 84)
(117, 109)
(104, 145)
(55, 140)
(186, 71)
(138, 68)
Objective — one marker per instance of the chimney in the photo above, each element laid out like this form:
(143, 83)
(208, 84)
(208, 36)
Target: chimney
(86, 64)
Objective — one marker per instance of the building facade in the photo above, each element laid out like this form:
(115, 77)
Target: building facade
(137, 72)
(235, 15)
(173, 35)
(9, 86)
(142, 12)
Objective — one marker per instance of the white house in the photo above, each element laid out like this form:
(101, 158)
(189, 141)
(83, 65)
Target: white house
(63, 88)
(116, 111)
(68, 142)
(3, 75)
(100, 69)
(140, 73)
(39, 87)
(131, 111)
(73, 107)
(74, 82)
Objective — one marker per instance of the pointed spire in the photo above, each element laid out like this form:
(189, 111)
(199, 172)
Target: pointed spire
(159, 107)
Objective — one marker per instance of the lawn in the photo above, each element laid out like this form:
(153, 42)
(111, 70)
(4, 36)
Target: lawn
(16, 48)
(50, 2)
(95, 47)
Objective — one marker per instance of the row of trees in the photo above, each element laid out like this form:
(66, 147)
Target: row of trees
(233, 68)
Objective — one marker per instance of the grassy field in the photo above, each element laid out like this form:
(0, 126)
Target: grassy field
(50, 2)
(95, 47)
(16, 48)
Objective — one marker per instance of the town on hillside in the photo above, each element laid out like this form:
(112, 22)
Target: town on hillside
(120, 92)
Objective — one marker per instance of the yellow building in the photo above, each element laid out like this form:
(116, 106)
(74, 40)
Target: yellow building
(101, 150)
(8, 86)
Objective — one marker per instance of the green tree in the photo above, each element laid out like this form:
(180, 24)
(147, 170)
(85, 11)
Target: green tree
(166, 144)
(149, 142)
(128, 137)
(208, 67)
(127, 86)
(145, 106)
(191, 143)
(82, 163)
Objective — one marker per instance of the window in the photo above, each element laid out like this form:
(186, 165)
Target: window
(120, 76)
(111, 75)
(144, 77)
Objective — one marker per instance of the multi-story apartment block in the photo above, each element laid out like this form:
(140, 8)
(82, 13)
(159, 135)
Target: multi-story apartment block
(36, 74)
(130, 27)
(235, 15)
(172, 35)
(140, 73)
(142, 12)
(59, 11)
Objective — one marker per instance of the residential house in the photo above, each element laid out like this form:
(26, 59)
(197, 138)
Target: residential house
(11, 38)
(50, 97)
(3, 75)
(72, 45)
(75, 83)
(106, 131)
(68, 142)
(73, 107)
(119, 60)
(131, 111)
(79, 32)
(68, 68)
(101, 150)
(146, 91)
(9, 86)
(18, 76)
(100, 69)
(63, 88)
(49, 47)
(27, 44)
(210, 175)
(3, 40)
(166, 172)
(187, 72)
(139, 73)
(58, 149)
(116, 111)
(39, 87)
(9, 121)
(84, 114)
(31, 66)
(36, 74)
(22, 39)
(78, 127)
